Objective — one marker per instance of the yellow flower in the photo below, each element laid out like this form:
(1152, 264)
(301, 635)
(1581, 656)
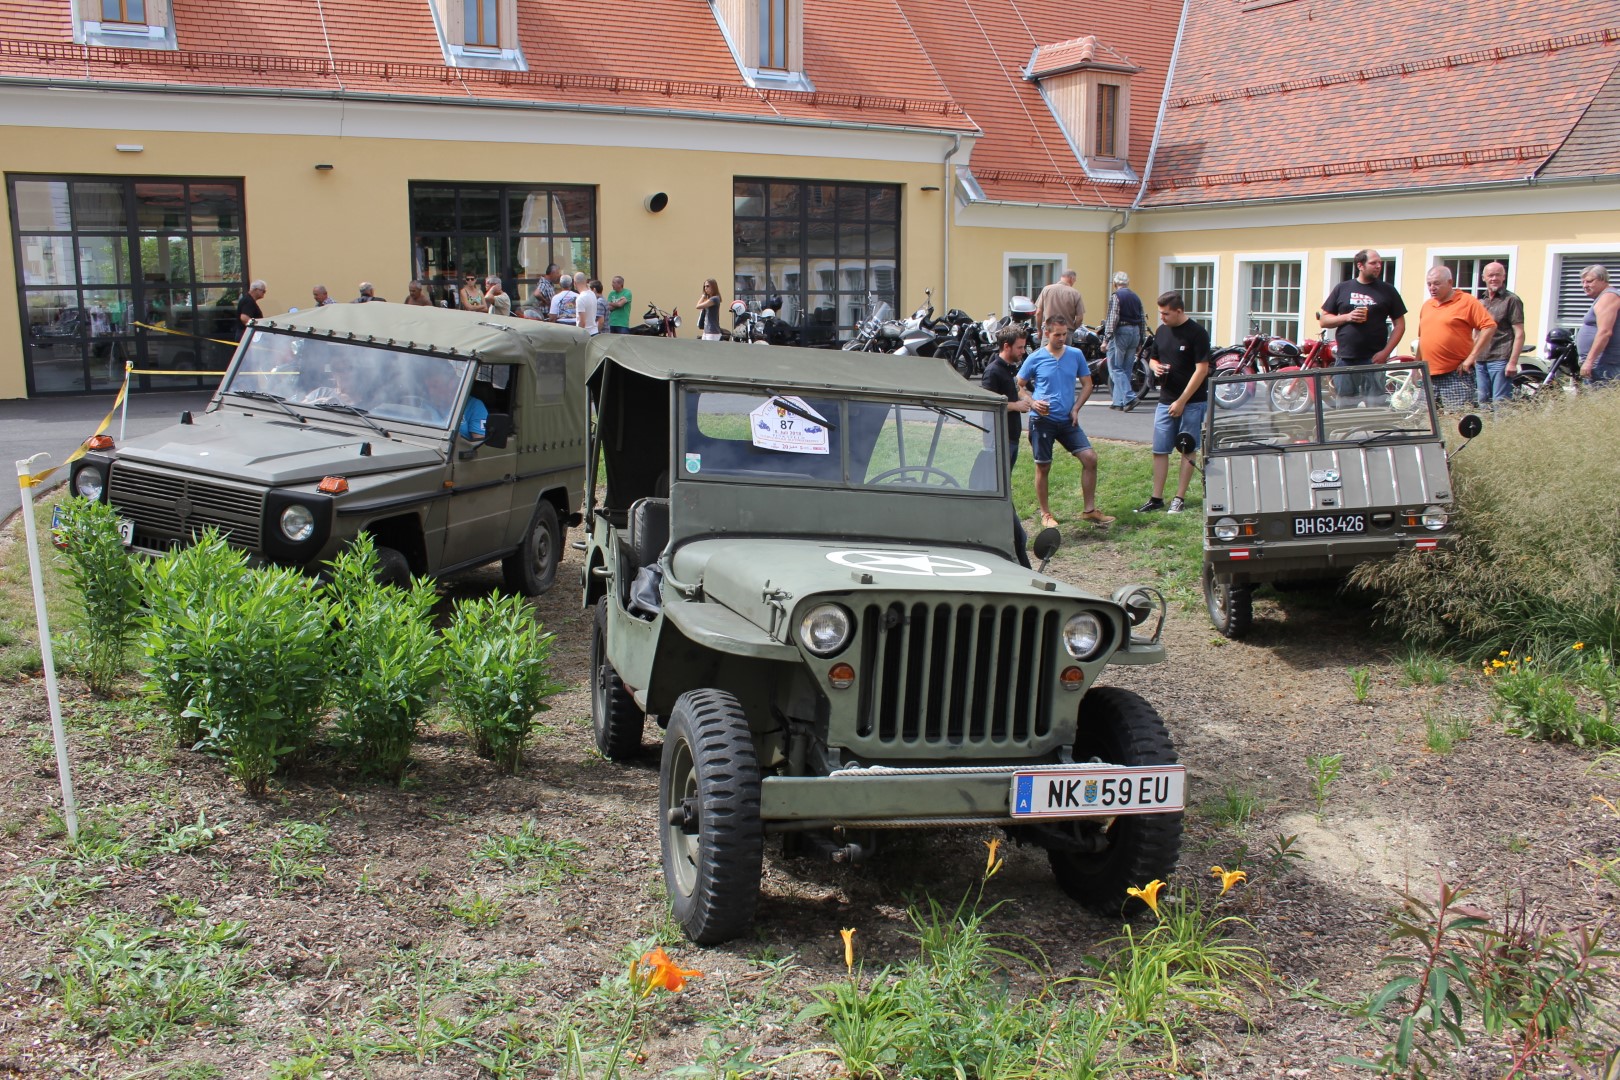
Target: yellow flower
(1228, 878)
(1578, 646)
(1497, 664)
(992, 865)
(664, 973)
(849, 948)
(1504, 652)
(1148, 894)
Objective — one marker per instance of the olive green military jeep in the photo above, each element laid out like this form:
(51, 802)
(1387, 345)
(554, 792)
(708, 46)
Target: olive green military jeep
(1303, 483)
(453, 438)
(802, 566)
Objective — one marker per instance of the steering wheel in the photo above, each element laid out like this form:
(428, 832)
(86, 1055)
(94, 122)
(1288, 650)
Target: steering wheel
(925, 471)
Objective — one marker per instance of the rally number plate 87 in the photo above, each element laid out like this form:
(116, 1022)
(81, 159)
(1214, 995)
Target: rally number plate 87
(1099, 790)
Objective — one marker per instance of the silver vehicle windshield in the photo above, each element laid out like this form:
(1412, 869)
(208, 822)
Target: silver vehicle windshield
(828, 441)
(307, 373)
(1355, 405)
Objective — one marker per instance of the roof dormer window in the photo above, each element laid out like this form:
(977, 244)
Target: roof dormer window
(1087, 85)
(766, 38)
(479, 33)
(123, 24)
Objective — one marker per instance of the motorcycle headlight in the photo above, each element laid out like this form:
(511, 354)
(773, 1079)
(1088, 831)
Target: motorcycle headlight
(825, 629)
(1083, 635)
(297, 523)
(1226, 529)
(90, 483)
(1434, 518)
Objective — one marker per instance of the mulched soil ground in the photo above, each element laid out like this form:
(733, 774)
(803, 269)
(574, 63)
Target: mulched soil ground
(1497, 813)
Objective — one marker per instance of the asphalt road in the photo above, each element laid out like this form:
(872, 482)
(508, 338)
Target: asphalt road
(57, 425)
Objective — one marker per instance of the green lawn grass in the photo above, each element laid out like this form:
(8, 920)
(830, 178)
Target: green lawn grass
(19, 636)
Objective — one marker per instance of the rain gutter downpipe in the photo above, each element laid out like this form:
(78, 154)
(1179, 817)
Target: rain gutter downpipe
(948, 188)
(1153, 147)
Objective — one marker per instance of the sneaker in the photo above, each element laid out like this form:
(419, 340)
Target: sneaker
(1150, 506)
(1177, 505)
(1132, 404)
(1097, 517)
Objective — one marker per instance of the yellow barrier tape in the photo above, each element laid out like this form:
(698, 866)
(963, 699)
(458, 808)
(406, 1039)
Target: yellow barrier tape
(198, 374)
(180, 333)
(26, 482)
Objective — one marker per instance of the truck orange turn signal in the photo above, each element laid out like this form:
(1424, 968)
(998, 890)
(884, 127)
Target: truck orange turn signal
(332, 485)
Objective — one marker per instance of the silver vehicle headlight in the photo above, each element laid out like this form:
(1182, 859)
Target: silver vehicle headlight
(1434, 518)
(297, 523)
(825, 629)
(90, 483)
(1083, 635)
(1226, 529)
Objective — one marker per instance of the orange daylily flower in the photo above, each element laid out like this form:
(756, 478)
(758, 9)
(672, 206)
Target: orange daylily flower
(992, 864)
(1148, 894)
(664, 973)
(1578, 646)
(849, 948)
(1228, 878)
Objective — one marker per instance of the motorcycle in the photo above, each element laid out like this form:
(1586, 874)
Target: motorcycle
(968, 345)
(1088, 340)
(658, 323)
(1298, 394)
(753, 325)
(872, 327)
(1563, 368)
(1259, 353)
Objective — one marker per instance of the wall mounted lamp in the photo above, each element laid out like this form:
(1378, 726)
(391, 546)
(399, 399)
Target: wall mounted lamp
(323, 167)
(129, 148)
(930, 187)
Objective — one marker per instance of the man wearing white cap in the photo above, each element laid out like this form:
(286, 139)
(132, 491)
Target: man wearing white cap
(1122, 333)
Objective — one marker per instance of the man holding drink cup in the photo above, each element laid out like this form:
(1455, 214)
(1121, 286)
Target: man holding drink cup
(1368, 319)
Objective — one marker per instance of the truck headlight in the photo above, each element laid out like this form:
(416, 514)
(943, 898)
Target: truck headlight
(1083, 635)
(297, 523)
(825, 629)
(1434, 518)
(90, 483)
(1226, 529)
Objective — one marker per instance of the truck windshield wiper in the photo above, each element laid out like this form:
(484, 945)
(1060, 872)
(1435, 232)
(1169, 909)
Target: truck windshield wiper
(783, 403)
(1385, 433)
(953, 414)
(352, 410)
(1249, 444)
(274, 399)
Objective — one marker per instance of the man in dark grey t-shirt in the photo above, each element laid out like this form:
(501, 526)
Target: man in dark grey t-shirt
(1368, 319)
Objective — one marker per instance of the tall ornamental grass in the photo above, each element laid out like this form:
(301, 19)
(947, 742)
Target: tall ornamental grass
(1537, 559)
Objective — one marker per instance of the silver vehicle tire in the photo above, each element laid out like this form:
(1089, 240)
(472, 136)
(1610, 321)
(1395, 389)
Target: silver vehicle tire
(616, 721)
(1231, 607)
(532, 568)
(1122, 729)
(708, 799)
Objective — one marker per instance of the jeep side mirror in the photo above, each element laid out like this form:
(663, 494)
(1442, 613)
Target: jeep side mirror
(1470, 426)
(497, 430)
(1046, 545)
(1186, 443)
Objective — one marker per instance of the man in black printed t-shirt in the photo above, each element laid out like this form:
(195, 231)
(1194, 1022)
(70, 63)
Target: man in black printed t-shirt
(1368, 319)
(1181, 362)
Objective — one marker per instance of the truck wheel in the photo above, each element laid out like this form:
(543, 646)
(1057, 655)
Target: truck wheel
(615, 720)
(392, 567)
(1120, 728)
(532, 568)
(1231, 607)
(708, 794)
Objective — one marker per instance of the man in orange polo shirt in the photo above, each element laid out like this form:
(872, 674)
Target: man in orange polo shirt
(1454, 331)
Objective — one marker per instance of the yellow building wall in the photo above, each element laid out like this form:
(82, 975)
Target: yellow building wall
(978, 261)
(352, 223)
(1526, 237)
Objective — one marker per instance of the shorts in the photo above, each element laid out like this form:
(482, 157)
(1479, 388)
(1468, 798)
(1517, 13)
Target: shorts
(1167, 427)
(1044, 431)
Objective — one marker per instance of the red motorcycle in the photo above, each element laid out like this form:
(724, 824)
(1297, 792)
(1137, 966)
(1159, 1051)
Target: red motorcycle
(1259, 353)
(658, 323)
(1298, 395)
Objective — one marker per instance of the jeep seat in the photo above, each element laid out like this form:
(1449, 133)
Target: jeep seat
(648, 533)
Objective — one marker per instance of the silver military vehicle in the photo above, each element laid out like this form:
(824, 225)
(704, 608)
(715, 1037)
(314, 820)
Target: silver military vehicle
(453, 438)
(802, 568)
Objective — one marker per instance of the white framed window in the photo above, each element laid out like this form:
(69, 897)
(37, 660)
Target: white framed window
(1341, 266)
(1564, 302)
(124, 24)
(1197, 280)
(766, 39)
(1027, 273)
(1270, 294)
(479, 34)
(1467, 265)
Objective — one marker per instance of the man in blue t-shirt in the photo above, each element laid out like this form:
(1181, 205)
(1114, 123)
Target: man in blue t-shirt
(1047, 381)
(443, 384)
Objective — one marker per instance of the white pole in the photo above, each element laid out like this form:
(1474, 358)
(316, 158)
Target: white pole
(25, 472)
(123, 417)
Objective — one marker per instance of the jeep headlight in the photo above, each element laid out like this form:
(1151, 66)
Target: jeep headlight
(297, 523)
(1434, 518)
(1226, 529)
(1083, 635)
(90, 483)
(825, 629)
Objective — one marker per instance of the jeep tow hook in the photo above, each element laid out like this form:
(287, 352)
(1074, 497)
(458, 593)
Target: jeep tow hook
(685, 816)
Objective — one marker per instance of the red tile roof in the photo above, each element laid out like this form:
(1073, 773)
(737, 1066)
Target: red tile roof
(1278, 99)
(1076, 53)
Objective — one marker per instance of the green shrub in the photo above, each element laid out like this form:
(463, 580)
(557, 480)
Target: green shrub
(108, 580)
(1561, 699)
(1537, 557)
(497, 675)
(386, 649)
(183, 588)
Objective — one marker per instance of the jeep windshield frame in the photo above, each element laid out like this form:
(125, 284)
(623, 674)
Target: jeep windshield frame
(1333, 412)
(370, 383)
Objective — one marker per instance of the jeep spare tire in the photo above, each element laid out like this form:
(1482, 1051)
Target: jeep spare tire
(616, 721)
(532, 568)
(1120, 728)
(708, 797)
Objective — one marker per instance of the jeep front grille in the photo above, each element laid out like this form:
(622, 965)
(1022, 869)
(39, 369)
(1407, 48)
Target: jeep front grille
(955, 673)
(171, 510)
